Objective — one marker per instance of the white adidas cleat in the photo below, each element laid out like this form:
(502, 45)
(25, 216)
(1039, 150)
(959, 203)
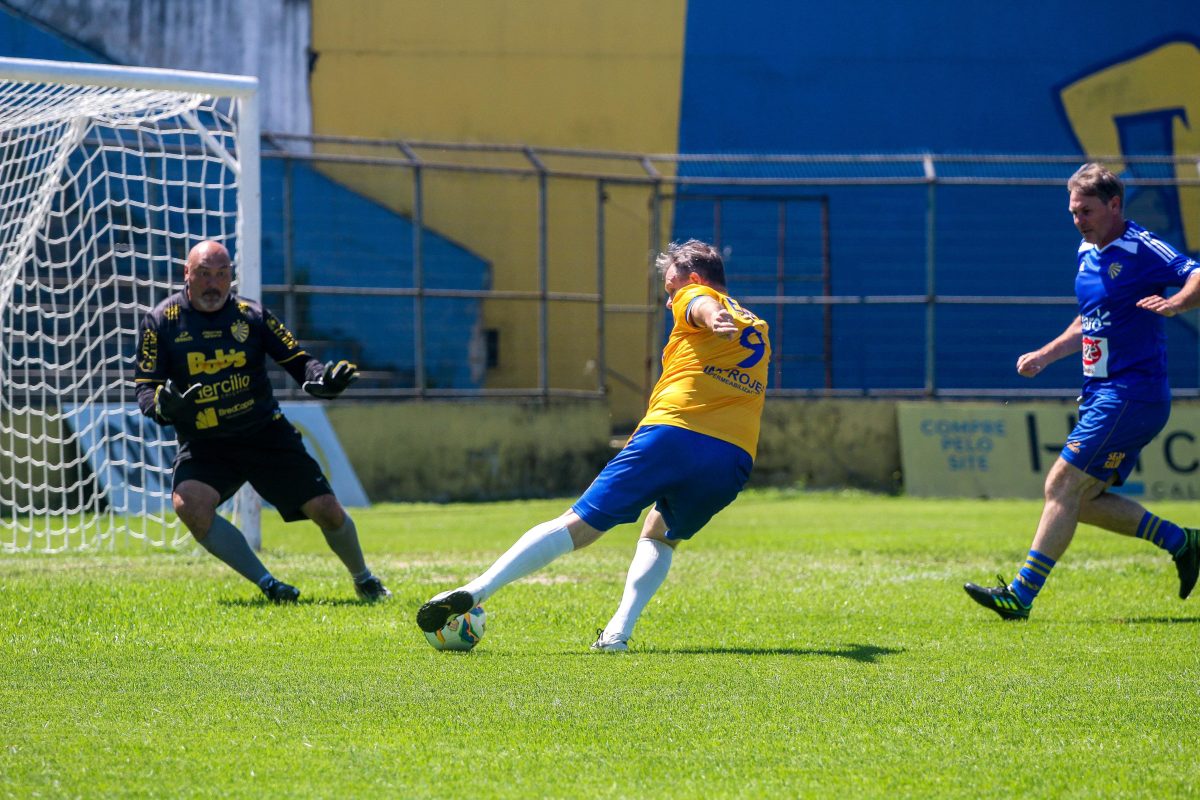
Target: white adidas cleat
(610, 643)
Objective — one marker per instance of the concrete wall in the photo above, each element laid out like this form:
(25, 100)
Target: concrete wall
(829, 444)
(442, 451)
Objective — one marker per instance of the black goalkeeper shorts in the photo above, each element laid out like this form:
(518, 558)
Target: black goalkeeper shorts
(272, 459)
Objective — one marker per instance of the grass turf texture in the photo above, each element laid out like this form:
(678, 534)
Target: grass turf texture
(803, 645)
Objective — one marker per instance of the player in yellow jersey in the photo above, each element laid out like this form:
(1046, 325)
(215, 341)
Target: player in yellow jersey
(690, 455)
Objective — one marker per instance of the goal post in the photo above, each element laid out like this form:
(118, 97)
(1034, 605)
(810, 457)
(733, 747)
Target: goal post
(108, 176)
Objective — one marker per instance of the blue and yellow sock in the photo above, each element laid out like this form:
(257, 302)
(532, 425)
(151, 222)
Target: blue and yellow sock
(1032, 576)
(1161, 532)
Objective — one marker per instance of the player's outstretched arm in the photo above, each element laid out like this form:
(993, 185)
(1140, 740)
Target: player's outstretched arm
(334, 379)
(1068, 342)
(1185, 299)
(708, 313)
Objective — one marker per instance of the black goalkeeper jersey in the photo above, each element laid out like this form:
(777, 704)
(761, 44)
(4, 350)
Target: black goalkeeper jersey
(225, 352)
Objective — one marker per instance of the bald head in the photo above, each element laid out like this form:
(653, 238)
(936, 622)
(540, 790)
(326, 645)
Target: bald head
(210, 254)
(208, 275)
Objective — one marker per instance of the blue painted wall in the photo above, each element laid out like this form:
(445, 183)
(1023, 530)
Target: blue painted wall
(944, 77)
(880, 76)
(340, 238)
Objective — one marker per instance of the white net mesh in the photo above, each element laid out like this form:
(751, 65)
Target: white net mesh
(102, 192)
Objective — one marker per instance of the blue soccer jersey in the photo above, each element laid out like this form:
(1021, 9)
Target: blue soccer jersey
(1125, 347)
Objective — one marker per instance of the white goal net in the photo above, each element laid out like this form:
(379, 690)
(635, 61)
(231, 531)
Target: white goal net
(108, 176)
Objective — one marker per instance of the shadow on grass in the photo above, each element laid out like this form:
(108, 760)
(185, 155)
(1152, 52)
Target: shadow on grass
(262, 602)
(1157, 620)
(865, 653)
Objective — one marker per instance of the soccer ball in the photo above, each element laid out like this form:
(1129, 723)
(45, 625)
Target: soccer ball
(461, 632)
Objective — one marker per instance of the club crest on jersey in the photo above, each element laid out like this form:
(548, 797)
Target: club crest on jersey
(1114, 269)
(240, 330)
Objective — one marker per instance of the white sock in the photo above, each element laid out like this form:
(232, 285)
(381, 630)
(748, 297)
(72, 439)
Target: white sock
(535, 549)
(651, 562)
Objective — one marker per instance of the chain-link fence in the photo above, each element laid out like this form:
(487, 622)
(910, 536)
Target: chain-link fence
(473, 270)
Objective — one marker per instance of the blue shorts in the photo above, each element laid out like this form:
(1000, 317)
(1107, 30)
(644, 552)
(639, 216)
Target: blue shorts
(1110, 434)
(687, 475)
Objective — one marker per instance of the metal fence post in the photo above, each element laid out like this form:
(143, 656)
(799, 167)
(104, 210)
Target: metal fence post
(780, 285)
(601, 363)
(543, 276)
(654, 318)
(289, 259)
(930, 277)
(418, 257)
(827, 290)
(289, 244)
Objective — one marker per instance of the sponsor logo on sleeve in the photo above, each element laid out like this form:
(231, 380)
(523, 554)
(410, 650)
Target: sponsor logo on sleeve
(149, 355)
(283, 334)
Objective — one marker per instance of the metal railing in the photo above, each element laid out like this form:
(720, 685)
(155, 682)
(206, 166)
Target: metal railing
(941, 197)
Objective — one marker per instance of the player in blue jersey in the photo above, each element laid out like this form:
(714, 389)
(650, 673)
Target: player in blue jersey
(1123, 272)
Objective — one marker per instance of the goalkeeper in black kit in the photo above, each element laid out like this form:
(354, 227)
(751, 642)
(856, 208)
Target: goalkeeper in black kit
(201, 367)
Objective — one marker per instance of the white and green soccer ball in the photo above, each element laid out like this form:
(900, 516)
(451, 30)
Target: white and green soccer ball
(461, 632)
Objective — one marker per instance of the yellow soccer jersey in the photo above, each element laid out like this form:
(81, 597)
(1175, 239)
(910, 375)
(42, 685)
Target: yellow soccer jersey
(712, 385)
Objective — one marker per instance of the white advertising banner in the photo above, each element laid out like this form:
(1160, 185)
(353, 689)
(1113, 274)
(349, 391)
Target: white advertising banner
(1005, 450)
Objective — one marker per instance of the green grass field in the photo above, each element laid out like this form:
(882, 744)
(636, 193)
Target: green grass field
(803, 645)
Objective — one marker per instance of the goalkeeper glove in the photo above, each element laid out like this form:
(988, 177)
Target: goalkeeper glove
(333, 381)
(171, 405)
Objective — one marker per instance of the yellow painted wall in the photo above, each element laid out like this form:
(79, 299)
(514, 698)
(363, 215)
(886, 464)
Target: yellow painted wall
(565, 73)
(1167, 77)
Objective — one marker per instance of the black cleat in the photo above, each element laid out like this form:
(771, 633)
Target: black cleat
(279, 592)
(1187, 562)
(372, 590)
(434, 614)
(999, 599)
